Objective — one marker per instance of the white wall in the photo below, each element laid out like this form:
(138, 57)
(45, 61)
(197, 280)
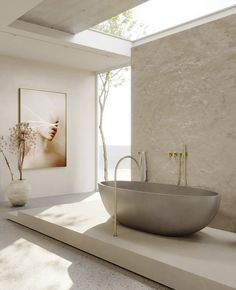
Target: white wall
(79, 175)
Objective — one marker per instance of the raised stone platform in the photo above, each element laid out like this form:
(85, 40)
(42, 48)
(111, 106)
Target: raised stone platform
(203, 261)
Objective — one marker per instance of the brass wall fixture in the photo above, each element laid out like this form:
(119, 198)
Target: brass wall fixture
(182, 160)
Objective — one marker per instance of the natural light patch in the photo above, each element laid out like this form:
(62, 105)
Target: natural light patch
(25, 265)
(154, 16)
(78, 216)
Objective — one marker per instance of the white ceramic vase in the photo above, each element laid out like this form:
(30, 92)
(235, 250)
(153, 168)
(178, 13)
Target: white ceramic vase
(18, 192)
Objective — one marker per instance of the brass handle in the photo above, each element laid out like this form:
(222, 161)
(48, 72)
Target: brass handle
(175, 154)
(182, 156)
(170, 154)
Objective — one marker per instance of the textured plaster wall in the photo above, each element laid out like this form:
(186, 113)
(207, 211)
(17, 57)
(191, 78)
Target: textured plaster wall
(79, 175)
(184, 91)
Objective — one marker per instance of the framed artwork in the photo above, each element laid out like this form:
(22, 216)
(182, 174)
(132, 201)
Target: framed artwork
(46, 113)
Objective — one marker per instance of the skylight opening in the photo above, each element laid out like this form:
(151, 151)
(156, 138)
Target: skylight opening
(154, 16)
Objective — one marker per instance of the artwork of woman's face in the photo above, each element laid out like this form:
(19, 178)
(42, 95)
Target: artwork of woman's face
(46, 114)
(49, 130)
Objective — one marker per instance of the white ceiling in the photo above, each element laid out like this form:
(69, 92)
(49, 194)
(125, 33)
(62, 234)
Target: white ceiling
(10, 10)
(88, 50)
(76, 15)
(56, 52)
(35, 39)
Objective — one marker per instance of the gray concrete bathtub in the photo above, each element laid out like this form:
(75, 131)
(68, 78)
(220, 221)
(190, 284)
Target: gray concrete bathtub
(160, 208)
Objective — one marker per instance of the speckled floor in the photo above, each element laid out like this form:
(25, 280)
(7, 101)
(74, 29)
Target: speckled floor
(32, 261)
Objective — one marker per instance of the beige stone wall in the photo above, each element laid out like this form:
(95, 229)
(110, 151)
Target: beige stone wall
(184, 91)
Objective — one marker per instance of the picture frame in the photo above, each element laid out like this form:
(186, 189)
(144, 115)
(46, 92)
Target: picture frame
(46, 112)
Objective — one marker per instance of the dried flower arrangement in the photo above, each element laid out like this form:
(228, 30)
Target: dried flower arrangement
(22, 139)
(3, 146)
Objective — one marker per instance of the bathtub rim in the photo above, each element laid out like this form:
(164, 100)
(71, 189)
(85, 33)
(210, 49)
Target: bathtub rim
(210, 193)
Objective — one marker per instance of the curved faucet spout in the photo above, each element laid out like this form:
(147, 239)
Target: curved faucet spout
(115, 196)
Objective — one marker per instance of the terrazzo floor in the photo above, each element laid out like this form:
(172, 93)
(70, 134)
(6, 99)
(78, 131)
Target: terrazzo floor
(32, 261)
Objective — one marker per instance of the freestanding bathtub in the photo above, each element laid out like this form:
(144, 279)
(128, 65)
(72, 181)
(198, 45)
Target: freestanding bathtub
(160, 208)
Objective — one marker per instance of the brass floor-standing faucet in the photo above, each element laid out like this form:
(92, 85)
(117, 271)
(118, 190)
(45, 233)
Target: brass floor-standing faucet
(182, 156)
(115, 196)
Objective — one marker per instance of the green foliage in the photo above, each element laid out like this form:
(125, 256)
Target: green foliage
(123, 25)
